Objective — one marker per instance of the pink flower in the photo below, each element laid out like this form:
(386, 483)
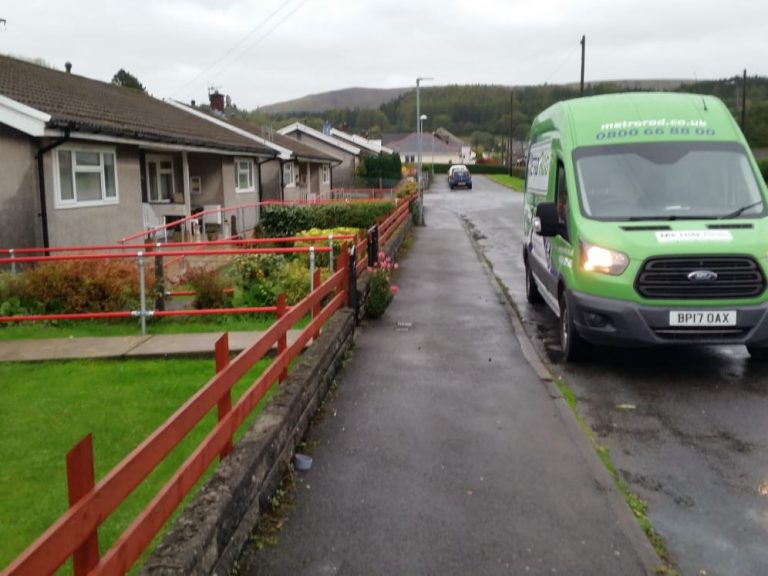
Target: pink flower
(394, 289)
(370, 269)
(382, 255)
(396, 266)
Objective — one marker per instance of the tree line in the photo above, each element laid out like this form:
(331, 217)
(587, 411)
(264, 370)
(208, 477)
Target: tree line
(483, 112)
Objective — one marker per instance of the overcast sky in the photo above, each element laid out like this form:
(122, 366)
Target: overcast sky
(265, 51)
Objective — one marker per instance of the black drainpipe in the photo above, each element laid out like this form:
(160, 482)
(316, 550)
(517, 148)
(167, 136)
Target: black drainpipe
(41, 182)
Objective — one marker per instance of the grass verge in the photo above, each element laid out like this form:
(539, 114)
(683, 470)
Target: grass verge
(45, 408)
(512, 182)
(637, 505)
(105, 328)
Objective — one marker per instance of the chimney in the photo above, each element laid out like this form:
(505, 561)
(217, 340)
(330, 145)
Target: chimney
(217, 102)
(193, 103)
(68, 66)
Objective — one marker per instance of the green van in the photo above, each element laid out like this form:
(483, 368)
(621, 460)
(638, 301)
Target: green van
(646, 223)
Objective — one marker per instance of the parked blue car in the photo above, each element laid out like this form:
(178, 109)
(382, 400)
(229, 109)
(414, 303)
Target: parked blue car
(460, 177)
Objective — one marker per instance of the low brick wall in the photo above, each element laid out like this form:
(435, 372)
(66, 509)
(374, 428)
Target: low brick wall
(209, 535)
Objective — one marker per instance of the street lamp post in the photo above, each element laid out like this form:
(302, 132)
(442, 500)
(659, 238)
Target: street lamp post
(421, 136)
(418, 146)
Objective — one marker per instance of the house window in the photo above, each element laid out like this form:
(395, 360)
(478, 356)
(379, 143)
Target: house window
(326, 174)
(289, 178)
(244, 175)
(85, 177)
(160, 179)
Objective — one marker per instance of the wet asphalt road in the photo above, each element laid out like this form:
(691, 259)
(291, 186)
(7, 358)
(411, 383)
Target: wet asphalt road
(686, 428)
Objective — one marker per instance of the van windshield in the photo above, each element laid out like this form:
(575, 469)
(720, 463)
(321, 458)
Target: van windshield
(667, 181)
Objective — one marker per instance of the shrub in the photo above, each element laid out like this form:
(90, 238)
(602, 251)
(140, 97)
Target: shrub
(282, 221)
(79, 286)
(381, 288)
(321, 258)
(13, 300)
(209, 286)
(406, 188)
(255, 276)
(292, 279)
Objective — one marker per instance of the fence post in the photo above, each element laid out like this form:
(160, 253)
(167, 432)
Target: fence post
(318, 305)
(142, 293)
(12, 253)
(352, 279)
(80, 481)
(330, 255)
(311, 268)
(282, 341)
(225, 402)
(373, 245)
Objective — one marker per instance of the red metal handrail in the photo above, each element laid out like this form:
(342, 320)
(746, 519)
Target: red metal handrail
(77, 527)
(166, 245)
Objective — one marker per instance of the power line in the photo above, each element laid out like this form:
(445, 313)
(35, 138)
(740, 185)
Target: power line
(234, 47)
(260, 39)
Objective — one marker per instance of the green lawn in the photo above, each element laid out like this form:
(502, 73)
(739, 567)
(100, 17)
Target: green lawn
(516, 184)
(45, 408)
(102, 328)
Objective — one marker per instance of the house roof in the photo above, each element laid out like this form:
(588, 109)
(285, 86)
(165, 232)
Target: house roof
(374, 146)
(409, 145)
(82, 105)
(301, 150)
(304, 129)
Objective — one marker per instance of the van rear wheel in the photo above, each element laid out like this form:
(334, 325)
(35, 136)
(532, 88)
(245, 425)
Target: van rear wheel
(571, 342)
(532, 293)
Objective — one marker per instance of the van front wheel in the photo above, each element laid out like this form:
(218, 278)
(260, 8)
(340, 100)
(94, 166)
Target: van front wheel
(571, 342)
(531, 289)
(759, 353)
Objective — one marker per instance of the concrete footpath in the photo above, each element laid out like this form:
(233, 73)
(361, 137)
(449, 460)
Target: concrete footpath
(444, 453)
(159, 346)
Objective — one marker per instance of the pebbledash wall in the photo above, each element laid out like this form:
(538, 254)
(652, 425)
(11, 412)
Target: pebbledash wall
(210, 534)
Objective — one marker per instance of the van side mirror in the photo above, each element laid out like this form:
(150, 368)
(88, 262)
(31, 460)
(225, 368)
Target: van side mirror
(546, 223)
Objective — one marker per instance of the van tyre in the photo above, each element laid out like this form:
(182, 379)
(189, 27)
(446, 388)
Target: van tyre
(571, 342)
(759, 353)
(532, 293)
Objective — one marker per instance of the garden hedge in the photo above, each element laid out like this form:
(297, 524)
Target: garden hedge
(282, 221)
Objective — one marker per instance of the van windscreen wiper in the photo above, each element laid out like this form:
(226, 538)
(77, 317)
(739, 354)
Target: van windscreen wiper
(741, 210)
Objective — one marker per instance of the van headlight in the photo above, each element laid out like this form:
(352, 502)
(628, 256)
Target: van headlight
(603, 260)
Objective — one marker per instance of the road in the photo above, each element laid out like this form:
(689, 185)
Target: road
(686, 428)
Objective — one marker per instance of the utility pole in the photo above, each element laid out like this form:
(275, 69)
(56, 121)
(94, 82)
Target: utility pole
(583, 46)
(744, 101)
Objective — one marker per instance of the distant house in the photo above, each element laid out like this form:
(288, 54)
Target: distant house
(86, 162)
(432, 148)
(297, 172)
(342, 174)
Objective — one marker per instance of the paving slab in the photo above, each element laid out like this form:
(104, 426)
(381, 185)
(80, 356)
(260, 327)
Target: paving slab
(157, 346)
(68, 348)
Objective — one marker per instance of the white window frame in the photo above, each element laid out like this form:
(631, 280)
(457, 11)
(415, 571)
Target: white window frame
(251, 173)
(289, 175)
(326, 174)
(158, 158)
(59, 202)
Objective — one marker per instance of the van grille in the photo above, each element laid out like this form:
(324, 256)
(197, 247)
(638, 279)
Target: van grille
(667, 278)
